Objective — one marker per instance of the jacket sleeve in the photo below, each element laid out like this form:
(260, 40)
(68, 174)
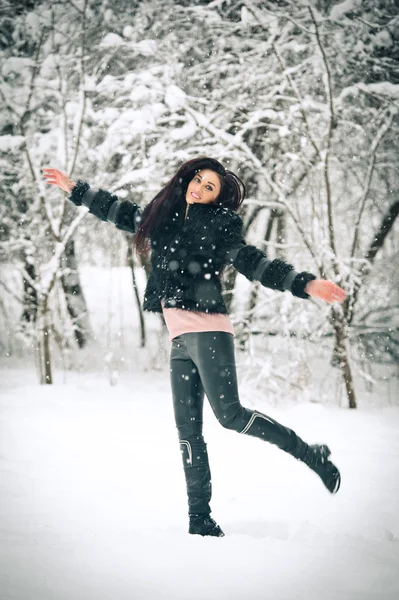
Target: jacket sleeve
(107, 207)
(275, 274)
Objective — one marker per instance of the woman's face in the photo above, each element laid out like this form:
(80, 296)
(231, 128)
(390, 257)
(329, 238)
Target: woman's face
(204, 188)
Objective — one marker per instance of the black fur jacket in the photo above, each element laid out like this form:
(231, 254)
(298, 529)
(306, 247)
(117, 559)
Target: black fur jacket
(188, 254)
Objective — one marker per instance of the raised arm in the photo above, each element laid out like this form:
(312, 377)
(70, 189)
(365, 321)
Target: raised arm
(102, 204)
(279, 275)
(275, 274)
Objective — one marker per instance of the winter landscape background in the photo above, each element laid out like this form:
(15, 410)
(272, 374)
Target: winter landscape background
(301, 100)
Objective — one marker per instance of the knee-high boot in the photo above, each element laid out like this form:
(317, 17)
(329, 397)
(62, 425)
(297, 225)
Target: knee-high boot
(316, 456)
(197, 474)
(199, 486)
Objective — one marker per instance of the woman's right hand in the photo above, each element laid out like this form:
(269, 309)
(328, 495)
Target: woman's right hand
(56, 177)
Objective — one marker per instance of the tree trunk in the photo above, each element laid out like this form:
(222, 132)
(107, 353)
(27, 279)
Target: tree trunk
(387, 223)
(48, 377)
(30, 301)
(385, 227)
(281, 233)
(130, 258)
(348, 307)
(229, 285)
(43, 345)
(253, 297)
(341, 356)
(75, 300)
(230, 274)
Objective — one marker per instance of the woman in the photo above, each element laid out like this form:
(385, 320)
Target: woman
(194, 231)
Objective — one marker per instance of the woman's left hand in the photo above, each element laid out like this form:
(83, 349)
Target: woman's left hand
(325, 290)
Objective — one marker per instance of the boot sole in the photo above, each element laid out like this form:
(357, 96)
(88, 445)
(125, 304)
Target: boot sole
(212, 533)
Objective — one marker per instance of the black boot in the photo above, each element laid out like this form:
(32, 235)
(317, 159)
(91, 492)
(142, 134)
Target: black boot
(199, 487)
(204, 525)
(198, 482)
(317, 458)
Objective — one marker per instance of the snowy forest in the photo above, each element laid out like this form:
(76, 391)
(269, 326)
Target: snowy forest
(301, 100)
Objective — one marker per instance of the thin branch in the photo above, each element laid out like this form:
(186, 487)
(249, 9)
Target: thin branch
(383, 230)
(47, 286)
(252, 217)
(296, 23)
(389, 101)
(82, 89)
(79, 10)
(261, 204)
(31, 281)
(287, 75)
(203, 122)
(9, 107)
(375, 25)
(12, 294)
(328, 73)
(62, 92)
(21, 123)
(35, 71)
(318, 153)
(326, 153)
(385, 227)
(42, 192)
(378, 138)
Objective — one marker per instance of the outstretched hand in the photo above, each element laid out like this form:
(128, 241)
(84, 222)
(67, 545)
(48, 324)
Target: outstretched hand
(56, 177)
(325, 290)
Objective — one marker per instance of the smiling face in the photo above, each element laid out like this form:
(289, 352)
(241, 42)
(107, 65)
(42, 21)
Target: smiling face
(204, 188)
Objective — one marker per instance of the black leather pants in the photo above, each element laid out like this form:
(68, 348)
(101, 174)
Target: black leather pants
(204, 362)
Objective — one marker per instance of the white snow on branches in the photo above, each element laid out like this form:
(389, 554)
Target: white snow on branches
(175, 97)
(15, 64)
(341, 9)
(384, 87)
(112, 39)
(10, 142)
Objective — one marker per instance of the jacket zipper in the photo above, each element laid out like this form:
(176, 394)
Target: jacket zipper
(186, 215)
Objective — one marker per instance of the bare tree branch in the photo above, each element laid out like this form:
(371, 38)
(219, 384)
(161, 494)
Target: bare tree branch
(48, 283)
(295, 89)
(12, 294)
(385, 227)
(62, 93)
(373, 149)
(21, 123)
(203, 121)
(383, 230)
(287, 75)
(35, 71)
(82, 89)
(326, 151)
(79, 10)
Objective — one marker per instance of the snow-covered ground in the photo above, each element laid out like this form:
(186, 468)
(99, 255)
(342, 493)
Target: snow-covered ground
(93, 499)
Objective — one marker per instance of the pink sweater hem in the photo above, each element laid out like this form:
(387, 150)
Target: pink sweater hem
(179, 321)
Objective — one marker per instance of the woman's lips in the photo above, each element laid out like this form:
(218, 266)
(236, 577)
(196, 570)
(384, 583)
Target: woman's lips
(195, 196)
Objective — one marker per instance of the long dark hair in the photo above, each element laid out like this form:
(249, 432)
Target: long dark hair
(170, 200)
